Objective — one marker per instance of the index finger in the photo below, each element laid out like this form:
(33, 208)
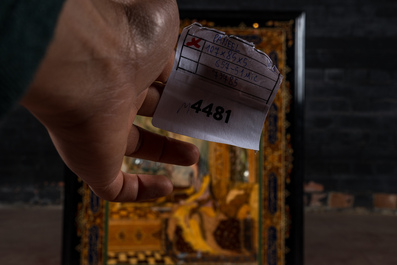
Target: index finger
(159, 148)
(155, 90)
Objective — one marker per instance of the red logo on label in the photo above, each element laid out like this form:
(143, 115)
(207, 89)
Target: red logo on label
(194, 42)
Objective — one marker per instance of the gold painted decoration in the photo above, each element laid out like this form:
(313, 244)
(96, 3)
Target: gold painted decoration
(229, 208)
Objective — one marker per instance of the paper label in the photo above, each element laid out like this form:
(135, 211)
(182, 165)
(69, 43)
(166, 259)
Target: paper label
(220, 89)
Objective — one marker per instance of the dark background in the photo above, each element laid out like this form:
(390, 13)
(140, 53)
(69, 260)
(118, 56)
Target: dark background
(350, 110)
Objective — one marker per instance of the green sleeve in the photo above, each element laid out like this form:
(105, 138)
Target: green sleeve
(26, 28)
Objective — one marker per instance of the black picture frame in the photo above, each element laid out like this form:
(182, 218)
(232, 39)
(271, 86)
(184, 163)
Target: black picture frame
(296, 76)
(296, 61)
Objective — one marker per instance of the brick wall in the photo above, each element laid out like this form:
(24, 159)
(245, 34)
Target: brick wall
(31, 171)
(351, 104)
(350, 111)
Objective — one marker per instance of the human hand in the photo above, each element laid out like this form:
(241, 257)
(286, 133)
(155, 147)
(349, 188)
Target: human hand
(97, 75)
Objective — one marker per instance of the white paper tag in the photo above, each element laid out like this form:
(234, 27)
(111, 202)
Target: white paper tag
(220, 89)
